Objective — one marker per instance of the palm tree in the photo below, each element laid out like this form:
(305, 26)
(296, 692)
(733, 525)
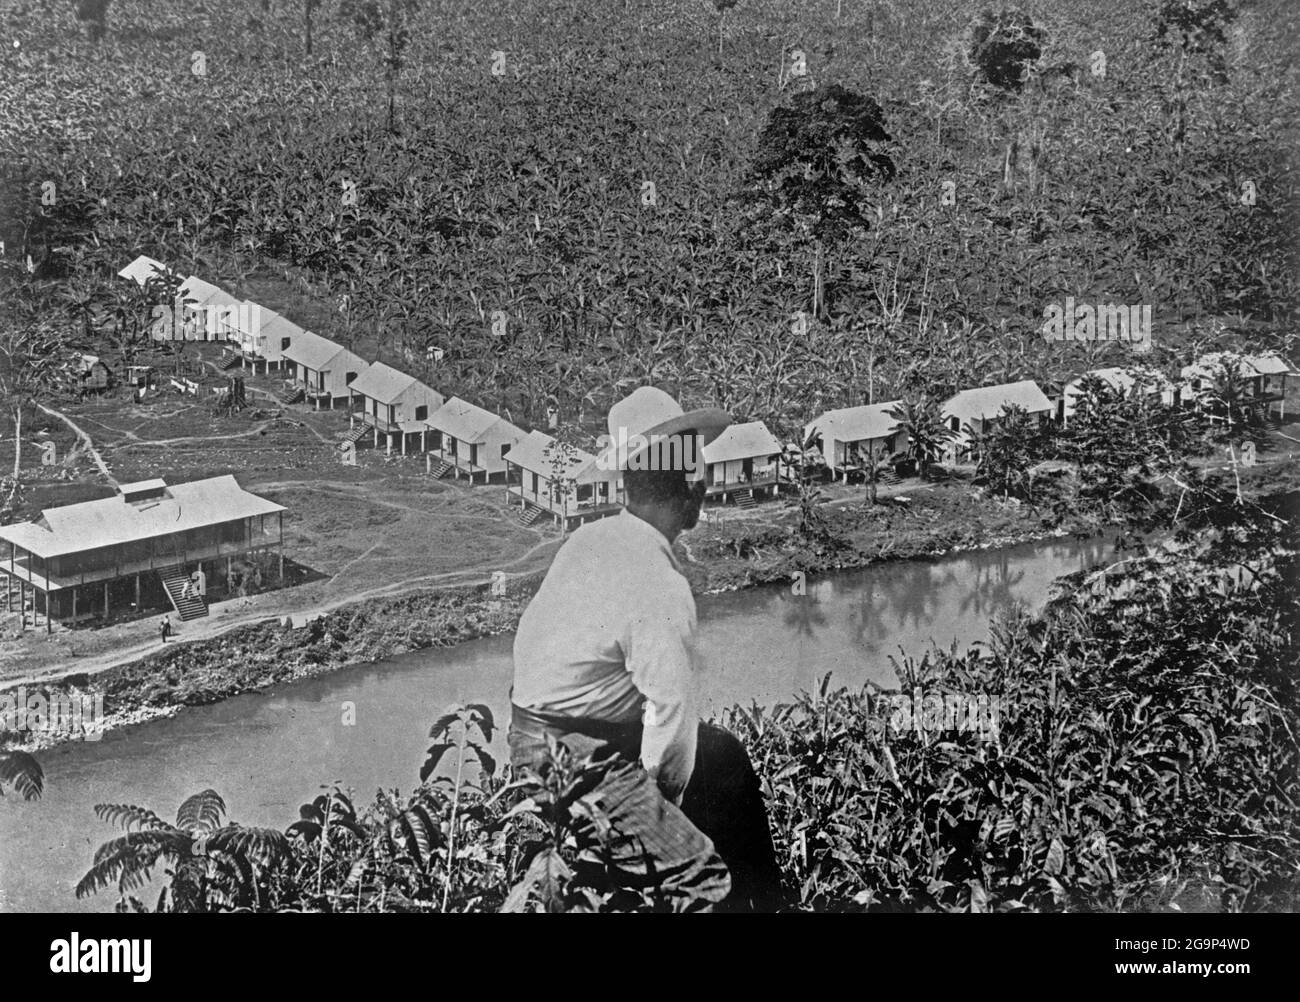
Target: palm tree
(22, 772)
(927, 435)
(213, 865)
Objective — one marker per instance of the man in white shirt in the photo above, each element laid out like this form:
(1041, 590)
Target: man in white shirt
(604, 664)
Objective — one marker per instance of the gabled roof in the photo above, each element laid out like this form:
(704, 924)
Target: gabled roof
(87, 362)
(1265, 364)
(1123, 379)
(986, 402)
(531, 454)
(382, 382)
(196, 293)
(1269, 364)
(92, 524)
(855, 424)
(741, 441)
(142, 269)
(316, 352)
(468, 422)
(274, 324)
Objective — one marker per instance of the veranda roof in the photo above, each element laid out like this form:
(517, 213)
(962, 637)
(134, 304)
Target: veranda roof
(91, 525)
(986, 402)
(855, 424)
(742, 441)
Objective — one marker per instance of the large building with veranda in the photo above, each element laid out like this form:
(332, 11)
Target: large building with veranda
(139, 548)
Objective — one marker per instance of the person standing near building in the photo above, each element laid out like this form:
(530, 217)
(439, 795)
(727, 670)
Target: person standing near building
(165, 628)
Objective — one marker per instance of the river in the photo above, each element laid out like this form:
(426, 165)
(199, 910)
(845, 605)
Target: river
(366, 726)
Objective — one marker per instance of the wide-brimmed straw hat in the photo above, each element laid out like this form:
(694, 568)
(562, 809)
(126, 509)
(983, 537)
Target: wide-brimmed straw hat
(648, 415)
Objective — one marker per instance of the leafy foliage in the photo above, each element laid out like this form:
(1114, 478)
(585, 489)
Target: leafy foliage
(1006, 449)
(1005, 46)
(20, 771)
(921, 419)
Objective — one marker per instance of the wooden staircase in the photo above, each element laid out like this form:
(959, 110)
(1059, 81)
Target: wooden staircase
(888, 477)
(745, 498)
(356, 434)
(293, 395)
(440, 468)
(173, 580)
(228, 362)
(529, 514)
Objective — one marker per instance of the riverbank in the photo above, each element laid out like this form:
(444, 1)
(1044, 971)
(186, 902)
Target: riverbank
(936, 521)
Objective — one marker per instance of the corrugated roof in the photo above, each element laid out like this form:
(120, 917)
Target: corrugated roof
(1248, 366)
(382, 382)
(142, 269)
(93, 524)
(1123, 379)
(741, 441)
(531, 454)
(1269, 364)
(855, 424)
(316, 352)
(468, 422)
(986, 402)
(196, 292)
(277, 325)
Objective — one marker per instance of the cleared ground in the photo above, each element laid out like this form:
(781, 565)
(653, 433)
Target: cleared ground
(380, 527)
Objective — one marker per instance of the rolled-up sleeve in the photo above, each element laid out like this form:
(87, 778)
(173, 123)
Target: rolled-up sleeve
(658, 648)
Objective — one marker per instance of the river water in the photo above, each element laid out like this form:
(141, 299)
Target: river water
(366, 726)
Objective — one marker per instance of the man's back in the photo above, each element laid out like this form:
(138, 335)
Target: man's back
(612, 626)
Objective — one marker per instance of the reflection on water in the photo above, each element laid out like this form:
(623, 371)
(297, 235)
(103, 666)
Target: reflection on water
(267, 753)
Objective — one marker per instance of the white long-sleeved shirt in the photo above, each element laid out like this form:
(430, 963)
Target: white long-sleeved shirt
(610, 635)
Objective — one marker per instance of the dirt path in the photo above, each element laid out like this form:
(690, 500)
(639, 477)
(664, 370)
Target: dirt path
(85, 440)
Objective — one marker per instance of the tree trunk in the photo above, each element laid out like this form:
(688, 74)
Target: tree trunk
(817, 282)
(306, 6)
(18, 442)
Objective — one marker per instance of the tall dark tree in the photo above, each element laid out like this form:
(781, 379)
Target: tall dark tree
(95, 14)
(389, 23)
(1004, 46)
(723, 6)
(308, 9)
(817, 165)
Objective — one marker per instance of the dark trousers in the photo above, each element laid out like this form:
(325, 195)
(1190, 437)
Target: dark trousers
(714, 852)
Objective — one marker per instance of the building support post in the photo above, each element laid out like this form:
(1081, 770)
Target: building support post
(48, 628)
(137, 593)
(74, 604)
(106, 607)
